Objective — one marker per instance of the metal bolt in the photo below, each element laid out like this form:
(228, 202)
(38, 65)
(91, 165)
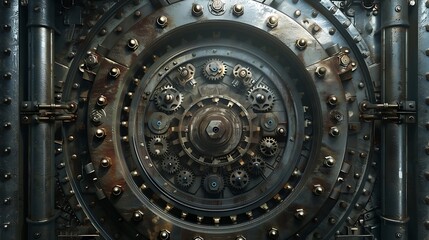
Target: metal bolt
(317, 189)
(329, 161)
(273, 233)
(398, 8)
(91, 60)
(100, 133)
(321, 72)
(332, 31)
(138, 216)
(102, 101)
(300, 214)
(273, 22)
(114, 72)
(162, 21)
(238, 10)
(105, 162)
(297, 13)
(334, 132)
(133, 44)
(332, 100)
(197, 10)
(412, 2)
(117, 190)
(316, 28)
(301, 44)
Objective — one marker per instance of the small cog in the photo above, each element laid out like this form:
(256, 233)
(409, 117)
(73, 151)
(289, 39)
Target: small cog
(170, 164)
(256, 165)
(213, 183)
(261, 98)
(168, 99)
(185, 178)
(158, 146)
(214, 70)
(268, 146)
(239, 179)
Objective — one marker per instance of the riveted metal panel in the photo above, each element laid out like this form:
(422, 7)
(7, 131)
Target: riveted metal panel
(10, 157)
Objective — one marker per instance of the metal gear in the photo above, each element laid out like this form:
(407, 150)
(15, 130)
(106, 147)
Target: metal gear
(239, 179)
(256, 165)
(158, 146)
(214, 70)
(261, 98)
(213, 183)
(268, 146)
(185, 178)
(168, 99)
(170, 164)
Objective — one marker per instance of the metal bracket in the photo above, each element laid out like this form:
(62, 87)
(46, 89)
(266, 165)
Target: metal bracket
(48, 112)
(402, 112)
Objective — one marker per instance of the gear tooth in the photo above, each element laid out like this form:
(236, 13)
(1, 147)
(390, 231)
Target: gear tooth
(215, 76)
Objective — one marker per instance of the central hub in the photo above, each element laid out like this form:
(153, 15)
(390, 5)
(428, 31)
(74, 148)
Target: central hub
(216, 129)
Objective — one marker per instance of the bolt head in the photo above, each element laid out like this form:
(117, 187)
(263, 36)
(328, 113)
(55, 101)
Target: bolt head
(321, 72)
(100, 133)
(273, 233)
(238, 10)
(318, 190)
(117, 190)
(301, 44)
(329, 161)
(162, 21)
(215, 129)
(334, 131)
(197, 10)
(133, 44)
(273, 21)
(114, 72)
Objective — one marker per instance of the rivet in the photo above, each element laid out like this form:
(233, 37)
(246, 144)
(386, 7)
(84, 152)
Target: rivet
(162, 21)
(102, 32)
(321, 72)
(240, 238)
(100, 133)
(198, 238)
(137, 14)
(7, 100)
(7, 201)
(73, 156)
(297, 13)
(273, 22)
(70, 138)
(317, 189)
(398, 8)
(301, 44)
(7, 51)
(329, 161)
(332, 220)
(7, 76)
(7, 176)
(117, 190)
(300, 214)
(7, 125)
(6, 27)
(118, 29)
(75, 85)
(238, 10)
(105, 162)
(334, 132)
(316, 28)
(366, 137)
(7, 150)
(138, 216)
(102, 101)
(37, 235)
(114, 72)
(273, 233)
(343, 204)
(332, 31)
(363, 155)
(133, 44)
(357, 175)
(332, 100)
(197, 10)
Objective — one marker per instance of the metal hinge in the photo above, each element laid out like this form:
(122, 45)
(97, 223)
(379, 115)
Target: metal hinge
(47, 112)
(402, 112)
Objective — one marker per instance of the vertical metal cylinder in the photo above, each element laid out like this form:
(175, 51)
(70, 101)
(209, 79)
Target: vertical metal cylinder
(394, 214)
(41, 205)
